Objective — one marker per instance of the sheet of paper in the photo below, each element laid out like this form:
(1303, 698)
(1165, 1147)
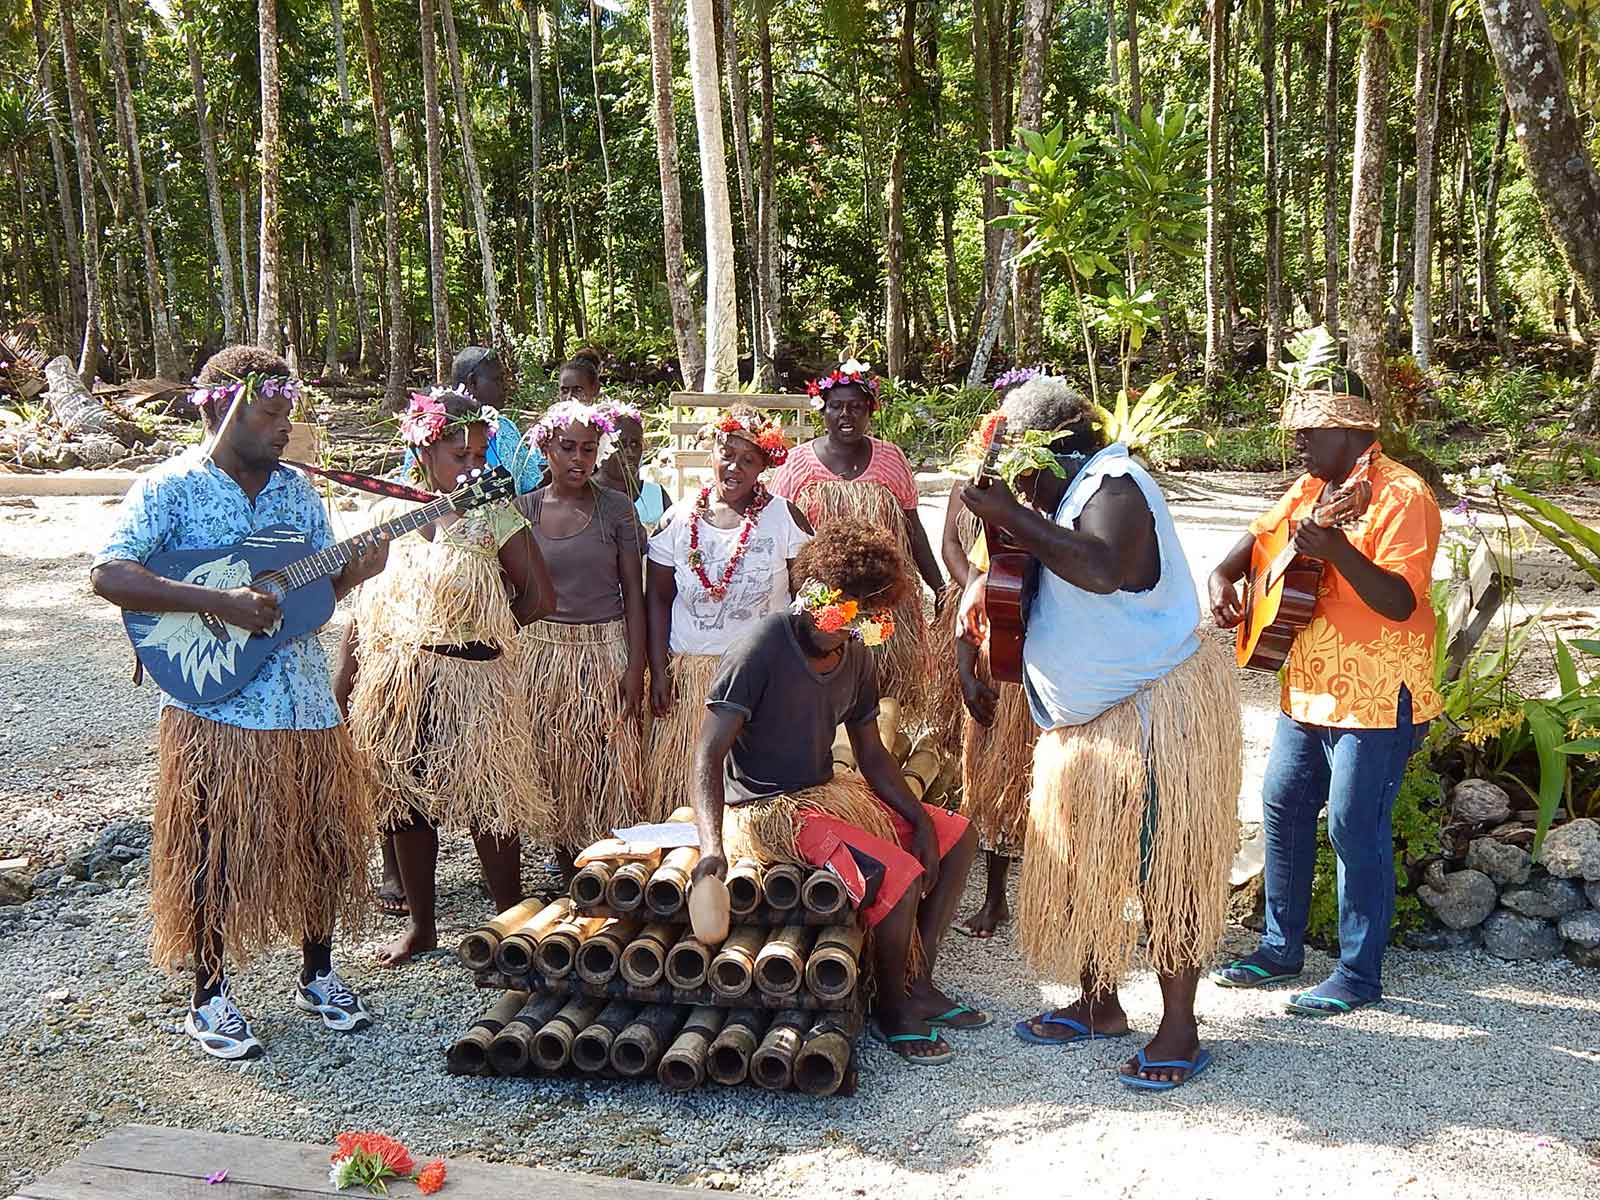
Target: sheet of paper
(668, 835)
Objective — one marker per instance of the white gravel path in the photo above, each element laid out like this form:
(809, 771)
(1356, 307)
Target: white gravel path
(1475, 1078)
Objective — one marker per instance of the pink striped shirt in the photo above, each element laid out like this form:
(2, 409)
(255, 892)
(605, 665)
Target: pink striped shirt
(887, 467)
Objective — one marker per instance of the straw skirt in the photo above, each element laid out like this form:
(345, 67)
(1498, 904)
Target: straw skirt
(673, 737)
(263, 834)
(1136, 810)
(996, 768)
(588, 754)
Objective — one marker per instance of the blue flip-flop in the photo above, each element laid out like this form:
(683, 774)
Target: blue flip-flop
(947, 1020)
(1083, 1032)
(1309, 1004)
(1193, 1066)
(1249, 973)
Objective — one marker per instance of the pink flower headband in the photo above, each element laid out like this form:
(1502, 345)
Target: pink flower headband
(249, 386)
(427, 419)
(765, 434)
(574, 412)
(621, 410)
(849, 371)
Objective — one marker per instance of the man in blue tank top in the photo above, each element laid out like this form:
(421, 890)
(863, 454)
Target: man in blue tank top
(1132, 815)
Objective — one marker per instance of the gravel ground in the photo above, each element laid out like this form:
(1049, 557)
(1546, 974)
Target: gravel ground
(1476, 1076)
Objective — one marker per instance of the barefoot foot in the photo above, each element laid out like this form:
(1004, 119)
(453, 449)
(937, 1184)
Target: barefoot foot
(403, 949)
(983, 923)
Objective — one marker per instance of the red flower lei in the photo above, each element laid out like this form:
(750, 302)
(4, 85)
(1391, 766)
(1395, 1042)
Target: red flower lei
(697, 559)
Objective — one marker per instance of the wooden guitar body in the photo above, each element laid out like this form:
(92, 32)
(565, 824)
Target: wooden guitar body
(1273, 616)
(1007, 592)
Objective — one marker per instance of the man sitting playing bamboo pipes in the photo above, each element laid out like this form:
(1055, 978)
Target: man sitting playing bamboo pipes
(1136, 772)
(764, 785)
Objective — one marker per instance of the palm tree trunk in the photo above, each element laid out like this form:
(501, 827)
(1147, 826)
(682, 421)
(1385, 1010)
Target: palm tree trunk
(1366, 215)
(83, 134)
(399, 326)
(894, 339)
(1491, 254)
(366, 336)
(1401, 277)
(1430, 75)
(575, 286)
(246, 271)
(437, 284)
(469, 157)
(768, 217)
(952, 289)
(1135, 83)
(208, 155)
(739, 106)
(541, 315)
(1036, 20)
(1216, 348)
(1274, 213)
(269, 325)
(73, 328)
(1330, 175)
(691, 354)
(722, 312)
(160, 315)
(605, 156)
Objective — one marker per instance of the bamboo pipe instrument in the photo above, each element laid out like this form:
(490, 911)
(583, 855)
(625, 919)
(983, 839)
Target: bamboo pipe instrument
(591, 1049)
(668, 887)
(734, 966)
(558, 950)
(844, 754)
(782, 883)
(552, 1045)
(823, 893)
(900, 748)
(683, 1066)
(921, 770)
(772, 1065)
(600, 955)
(644, 960)
(834, 965)
(688, 963)
(729, 1060)
(780, 967)
(745, 892)
(476, 951)
(514, 954)
(823, 1058)
(589, 885)
(888, 721)
(509, 1051)
(625, 889)
(639, 1047)
(683, 814)
(469, 1054)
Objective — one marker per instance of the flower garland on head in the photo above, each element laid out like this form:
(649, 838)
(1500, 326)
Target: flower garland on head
(1016, 375)
(849, 371)
(427, 420)
(249, 386)
(764, 433)
(558, 416)
(696, 557)
(621, 410)
(832, 613)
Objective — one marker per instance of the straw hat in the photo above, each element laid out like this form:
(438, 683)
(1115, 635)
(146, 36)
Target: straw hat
(1339, 402)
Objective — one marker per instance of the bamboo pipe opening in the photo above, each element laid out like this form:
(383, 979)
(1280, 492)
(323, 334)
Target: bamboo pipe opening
(782, 885)
(831, 977)
(597, 960)
(687, 965)
(626, 892)
(727, 1064)
(477, 950)
(591, 1049)
(732, 978)
(642, 964)
(589, 885)
(516, 956)
(552, 1047)
(770, 1070)
(816, 1073)
(823, 893)
(507, 1057)
(663, 897)
(780, 976)
(679, 1074)
(630, 1057)
(744, 894)
(472, 1054)
(555, 956)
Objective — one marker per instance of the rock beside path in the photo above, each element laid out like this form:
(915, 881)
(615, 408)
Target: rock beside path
(1479, 802)
(1572, 851)
(1502, 862)
(1461, 900)
(1514, 937)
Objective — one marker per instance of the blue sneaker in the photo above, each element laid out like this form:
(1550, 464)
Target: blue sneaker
(221, 1030)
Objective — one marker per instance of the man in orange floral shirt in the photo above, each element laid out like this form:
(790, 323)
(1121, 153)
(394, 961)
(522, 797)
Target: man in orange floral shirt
(1358, 693)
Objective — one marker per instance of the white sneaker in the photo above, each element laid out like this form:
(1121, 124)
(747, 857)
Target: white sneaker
(221, 1030)
(330, 998)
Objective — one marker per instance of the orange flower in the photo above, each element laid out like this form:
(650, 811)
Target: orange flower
(431, 1178)
(986, 428)
(390, 1152)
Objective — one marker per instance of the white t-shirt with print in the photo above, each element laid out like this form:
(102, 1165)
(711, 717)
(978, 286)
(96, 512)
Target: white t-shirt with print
(760, 585)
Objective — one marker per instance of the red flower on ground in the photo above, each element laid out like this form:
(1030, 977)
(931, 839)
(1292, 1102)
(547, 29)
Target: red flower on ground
(431, 1178)
(390, 1152)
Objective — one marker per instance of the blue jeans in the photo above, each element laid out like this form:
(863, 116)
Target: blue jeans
(1356, 774)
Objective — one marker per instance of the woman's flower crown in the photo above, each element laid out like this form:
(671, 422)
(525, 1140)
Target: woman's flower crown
(1016, 375)
(832, 613)
(621, 410)
(249, 385)
(849, 371)
(427, 419)
(559, 415)
(766, 433)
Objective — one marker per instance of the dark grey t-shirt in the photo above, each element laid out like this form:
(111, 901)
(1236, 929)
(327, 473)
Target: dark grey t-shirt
(790, 711)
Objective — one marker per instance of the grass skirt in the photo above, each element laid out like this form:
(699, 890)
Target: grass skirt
(946, 710)
(447, 738)
(995, 768)
(1081, 879)
(263, 834)
(764, 829)
(673, 737)
(587, 755)
(904, 667)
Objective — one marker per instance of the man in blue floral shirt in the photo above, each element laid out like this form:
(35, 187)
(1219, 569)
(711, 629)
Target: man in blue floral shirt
(263, 822)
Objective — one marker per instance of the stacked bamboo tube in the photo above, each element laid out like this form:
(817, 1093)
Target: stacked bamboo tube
(610, 981)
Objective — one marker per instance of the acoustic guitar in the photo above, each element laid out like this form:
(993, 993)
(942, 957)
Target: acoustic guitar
(1282, 591)
(199, 658)
(1009, 584)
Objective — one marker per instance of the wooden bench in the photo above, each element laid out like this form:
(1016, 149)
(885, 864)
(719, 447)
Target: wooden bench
(141, 1162)
(686, 458)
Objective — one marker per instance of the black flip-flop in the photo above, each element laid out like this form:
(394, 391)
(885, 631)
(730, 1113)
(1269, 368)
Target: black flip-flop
(392, 906)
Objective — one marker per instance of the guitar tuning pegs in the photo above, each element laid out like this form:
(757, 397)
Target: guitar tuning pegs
(461, 478)
(476, 471)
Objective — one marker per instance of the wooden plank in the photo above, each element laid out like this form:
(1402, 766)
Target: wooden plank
(753, 399)
(83, 1181)
(177, 1155)
(693, 428)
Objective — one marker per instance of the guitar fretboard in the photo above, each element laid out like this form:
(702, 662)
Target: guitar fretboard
(332, 560)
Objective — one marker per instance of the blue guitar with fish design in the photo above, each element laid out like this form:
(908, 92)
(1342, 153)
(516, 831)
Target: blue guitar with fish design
(198, 658)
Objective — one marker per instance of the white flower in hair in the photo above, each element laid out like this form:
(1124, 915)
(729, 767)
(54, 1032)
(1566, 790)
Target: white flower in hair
(853, 367)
